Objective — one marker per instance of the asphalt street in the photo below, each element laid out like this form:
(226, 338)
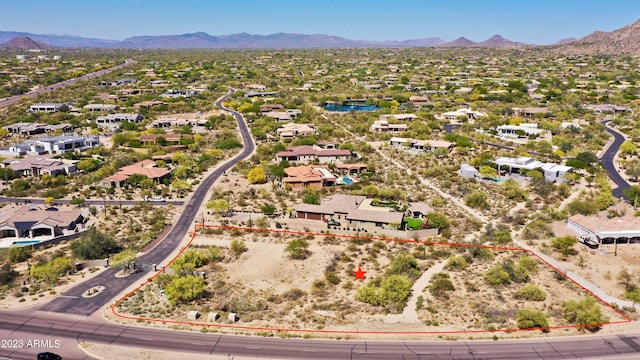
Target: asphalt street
(62, 328)
(607, 160)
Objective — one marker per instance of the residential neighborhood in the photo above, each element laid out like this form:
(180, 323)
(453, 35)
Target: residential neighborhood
(255, 186)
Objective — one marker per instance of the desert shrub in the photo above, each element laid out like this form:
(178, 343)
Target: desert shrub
(477, 199)
(185, 289)
(531, 319)
(298, 249)
(294, 294)
(404, 264)
(440, 285)
(392, 292)
(585, 313)
(530, 292)
(497, 276)
(457, 262)
(565, 244)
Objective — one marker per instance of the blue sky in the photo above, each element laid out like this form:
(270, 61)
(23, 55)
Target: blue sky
(530, 21)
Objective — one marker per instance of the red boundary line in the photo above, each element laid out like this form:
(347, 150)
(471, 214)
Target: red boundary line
(325, 331)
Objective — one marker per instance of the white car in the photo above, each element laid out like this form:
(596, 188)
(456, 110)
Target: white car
(153, 199)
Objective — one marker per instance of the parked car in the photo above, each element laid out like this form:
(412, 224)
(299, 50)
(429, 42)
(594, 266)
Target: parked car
(153, 199)
(49, 356)
(333, 223)
(588, 241)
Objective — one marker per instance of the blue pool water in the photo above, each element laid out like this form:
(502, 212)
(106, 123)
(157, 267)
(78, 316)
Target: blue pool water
(26, 242)
(347, 180)
(350, 107)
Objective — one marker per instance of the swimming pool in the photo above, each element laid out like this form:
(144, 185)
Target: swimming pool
(350, 107)
(345, 180)
(26, 242)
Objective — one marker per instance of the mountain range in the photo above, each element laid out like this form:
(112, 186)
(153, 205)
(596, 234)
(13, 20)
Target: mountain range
(623, 40)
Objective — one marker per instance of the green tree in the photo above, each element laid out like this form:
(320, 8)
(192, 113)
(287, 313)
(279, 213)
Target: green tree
(219, 205)
(632, 193)
(532, 319)
(437, 220)
(87, 165)
(310, 196)
(586, 313)
(182, 290)
(628, 148)
(257, 175)
(94, 244)
(633, 170)
(7, 274)
(587, 157)
(7, 174)
(18, 253)
(298, 249)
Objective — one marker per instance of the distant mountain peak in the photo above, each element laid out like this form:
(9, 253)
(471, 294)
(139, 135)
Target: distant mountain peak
(621, 41)
(460, 42)
(26, 43)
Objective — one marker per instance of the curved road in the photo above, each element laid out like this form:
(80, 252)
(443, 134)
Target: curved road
(72, 302)
(607, 161)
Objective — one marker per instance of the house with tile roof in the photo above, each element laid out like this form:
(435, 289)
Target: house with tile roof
(147, 168)
(39, 165)
(293, 130)
(308, 176)
(353, 211)
(29, 225)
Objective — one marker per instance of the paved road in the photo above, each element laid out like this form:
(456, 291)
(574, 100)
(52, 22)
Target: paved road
(607, 160)
(65, 328)
(74, 303)
(14, 99)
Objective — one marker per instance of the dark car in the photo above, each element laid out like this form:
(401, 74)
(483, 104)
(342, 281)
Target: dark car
(333, 223)
(49, 356)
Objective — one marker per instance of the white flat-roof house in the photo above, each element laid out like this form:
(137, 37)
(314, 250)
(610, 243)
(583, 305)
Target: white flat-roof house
(419, 146)
(463, 112)
(45, 107)
(516, 131)
(67, 143)
(552, 172)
